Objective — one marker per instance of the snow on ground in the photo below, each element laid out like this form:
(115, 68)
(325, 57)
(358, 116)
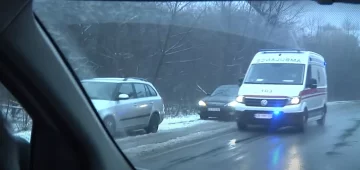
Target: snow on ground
(180, 122)
(25, 134)
(169, 124)
(341, 102)
(154, 147)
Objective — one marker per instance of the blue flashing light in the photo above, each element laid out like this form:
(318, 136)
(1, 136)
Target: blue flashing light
(280, 50)
(324, 63)
(276, 112)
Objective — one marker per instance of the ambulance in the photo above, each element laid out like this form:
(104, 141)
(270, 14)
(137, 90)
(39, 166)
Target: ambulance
(283, 88)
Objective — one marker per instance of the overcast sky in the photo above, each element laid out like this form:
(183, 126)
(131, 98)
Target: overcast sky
(334, 14)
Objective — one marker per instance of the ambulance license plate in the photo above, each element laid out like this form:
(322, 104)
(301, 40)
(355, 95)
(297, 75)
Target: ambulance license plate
(263, 116)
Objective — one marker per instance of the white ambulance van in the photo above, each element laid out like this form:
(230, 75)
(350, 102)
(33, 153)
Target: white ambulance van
(283, 88)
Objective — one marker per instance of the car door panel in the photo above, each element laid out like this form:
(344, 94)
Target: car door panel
(157, 103)
(316, 98)
(307, 96)
(144, 104)
(319, 90)
(310, 101)
(125, 109)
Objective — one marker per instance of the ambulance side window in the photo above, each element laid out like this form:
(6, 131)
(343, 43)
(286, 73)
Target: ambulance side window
(322, 78)
(315, 73)
(324, 75)
(318, 73)
(308, 74)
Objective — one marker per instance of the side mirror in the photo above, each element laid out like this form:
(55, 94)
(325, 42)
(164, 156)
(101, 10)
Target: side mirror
(241, 80)
(312, 83)
(123, 97)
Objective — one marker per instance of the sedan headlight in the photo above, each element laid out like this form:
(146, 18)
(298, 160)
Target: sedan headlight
(202, 103)
(232, 104)
(294, 100)
(240, 99)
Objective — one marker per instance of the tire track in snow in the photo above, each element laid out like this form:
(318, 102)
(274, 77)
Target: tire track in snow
(146, 149)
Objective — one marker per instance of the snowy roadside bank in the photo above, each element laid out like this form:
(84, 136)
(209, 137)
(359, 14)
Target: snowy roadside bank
(180, 122)
(342, 102)
(168, 125)
(166, 135)
(146, 149)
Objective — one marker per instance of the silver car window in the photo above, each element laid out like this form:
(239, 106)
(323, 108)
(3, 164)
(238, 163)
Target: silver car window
(140, 90)
(152, 91)
(127, 88)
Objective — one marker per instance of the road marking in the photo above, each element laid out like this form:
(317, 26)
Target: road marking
(314, 118)
(185, 146)
(137, 168)
(192, 144)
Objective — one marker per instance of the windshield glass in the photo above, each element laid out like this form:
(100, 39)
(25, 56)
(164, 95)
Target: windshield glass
(169, 55)
(275, 73)
(228, 91)
(100, 90)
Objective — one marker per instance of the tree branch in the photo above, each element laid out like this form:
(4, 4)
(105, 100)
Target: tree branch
(182, 61)
(199, 87)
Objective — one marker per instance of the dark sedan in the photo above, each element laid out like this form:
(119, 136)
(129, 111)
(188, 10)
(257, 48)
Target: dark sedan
(220, 103)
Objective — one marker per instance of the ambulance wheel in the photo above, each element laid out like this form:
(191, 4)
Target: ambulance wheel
(303, 121)
(241, 126)
(321, 121)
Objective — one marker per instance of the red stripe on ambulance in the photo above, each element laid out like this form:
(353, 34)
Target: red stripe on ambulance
(308, 93)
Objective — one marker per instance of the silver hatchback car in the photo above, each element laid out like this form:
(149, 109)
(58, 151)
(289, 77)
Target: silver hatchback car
(126, 104)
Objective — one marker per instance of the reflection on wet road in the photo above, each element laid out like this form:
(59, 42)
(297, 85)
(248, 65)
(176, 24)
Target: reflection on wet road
(332, 147)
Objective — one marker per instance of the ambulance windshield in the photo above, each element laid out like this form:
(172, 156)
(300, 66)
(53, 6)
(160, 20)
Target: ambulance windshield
(275, 73)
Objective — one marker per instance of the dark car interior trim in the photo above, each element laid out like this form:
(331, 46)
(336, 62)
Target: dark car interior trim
(67, 133)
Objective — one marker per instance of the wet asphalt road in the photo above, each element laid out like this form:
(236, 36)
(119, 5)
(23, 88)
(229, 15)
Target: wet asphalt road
(334, 146)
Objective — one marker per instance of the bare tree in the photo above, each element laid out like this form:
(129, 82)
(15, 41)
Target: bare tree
(12, 111)
(230, 13)
(279, 12)
(166, 48)
(111, 44)
(350, 28)
(311, 26)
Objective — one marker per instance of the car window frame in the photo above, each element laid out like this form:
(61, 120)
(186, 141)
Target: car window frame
(83, 142)
(147, 91)
(151, 88)
(136, 91)
(132, 86)
(113, 95)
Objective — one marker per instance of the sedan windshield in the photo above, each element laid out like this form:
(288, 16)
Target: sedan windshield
(275, 73)
(227, 90)
(100, 90)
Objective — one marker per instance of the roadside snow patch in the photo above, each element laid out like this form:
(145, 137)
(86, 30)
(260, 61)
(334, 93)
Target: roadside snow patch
(170, 144)
(168, 124)
(341, 102)
(180, 122)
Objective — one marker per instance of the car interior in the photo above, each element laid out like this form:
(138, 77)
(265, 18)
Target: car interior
(35, 72)
(67, 133)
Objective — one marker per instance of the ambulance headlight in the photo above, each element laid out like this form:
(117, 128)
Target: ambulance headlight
(294, 100)
(240, 99)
